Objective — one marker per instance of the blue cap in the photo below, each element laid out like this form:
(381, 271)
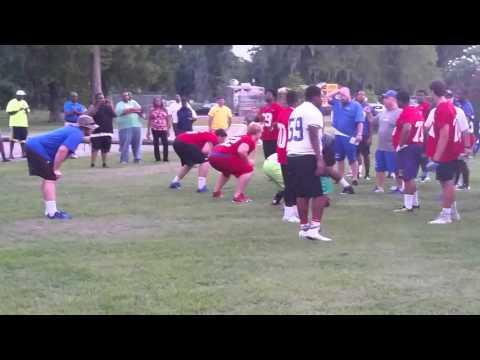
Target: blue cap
(390, 93)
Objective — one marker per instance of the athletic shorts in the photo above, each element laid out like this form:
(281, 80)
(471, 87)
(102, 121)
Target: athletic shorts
(363, 148)
(38, 166)
(328, 153)
(189, 154)
(273, 170)
(408, 161)
(446, 171)
(303, 179)
(229, 164)
(269, 147)
(103, 143)
(385, 161)
(19, 134)
(343, 148)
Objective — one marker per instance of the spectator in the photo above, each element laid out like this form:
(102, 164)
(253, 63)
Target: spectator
(159, 123)
(424, 106)
(463, 103)
(18, 110)
(72, 109)
(185, 117)
(129, 120)
(101, 139)
(2, 150)
(363, 152)
(173, 109)
(46, 154)
(219, 116)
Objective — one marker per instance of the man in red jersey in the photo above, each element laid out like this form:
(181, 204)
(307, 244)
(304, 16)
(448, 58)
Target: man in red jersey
(425, 107)
(444, 147)
(236, 156)
(192, 148)
(290, 212)
(268, 116)
(407, 140)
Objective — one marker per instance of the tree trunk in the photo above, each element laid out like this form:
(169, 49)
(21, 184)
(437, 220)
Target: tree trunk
(96, 71)
(53, 103)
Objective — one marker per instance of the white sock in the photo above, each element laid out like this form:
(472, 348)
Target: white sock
(416, 201)
(454, 206)
(295, 211)
(408, 201)
(175, 179)
(50, 208)
(287, 211)
(447, 212)
(344, 182)
(202, 182)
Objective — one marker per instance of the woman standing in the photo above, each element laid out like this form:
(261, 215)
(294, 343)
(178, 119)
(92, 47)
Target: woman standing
(159, 123)
(101, 139)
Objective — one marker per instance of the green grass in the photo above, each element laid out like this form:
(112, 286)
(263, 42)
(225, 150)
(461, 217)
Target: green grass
(37, 121)
(136, 247)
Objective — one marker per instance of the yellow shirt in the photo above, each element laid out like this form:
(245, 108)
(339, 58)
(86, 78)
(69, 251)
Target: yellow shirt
(220, 116)
(20, 119)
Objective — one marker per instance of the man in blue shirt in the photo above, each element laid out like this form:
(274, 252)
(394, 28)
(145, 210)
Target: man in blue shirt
(46, 153)
(72, 109)
(185, 117)
(348, 120)
(463, 103)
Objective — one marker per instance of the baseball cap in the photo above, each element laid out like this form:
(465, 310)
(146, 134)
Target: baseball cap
(21, 93)
(390, 93)
(87, 122)
(73, 93)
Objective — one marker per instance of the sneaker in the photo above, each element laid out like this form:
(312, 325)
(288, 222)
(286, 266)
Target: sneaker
(347, 190)
(202, 190)
(217, 195)
(241, 199)
(396, 190)
(377, 189)
(355, 182)
(276, 200)
(463, 187)
(74, 156)
(424, 178)
(105, 166)
(403, 210)
(123, 163)
(291, 219)
(302, 234)
(367, 178)
(442, 219)
(314, 234)
(175, 185)
(137, 161)
(60, 215)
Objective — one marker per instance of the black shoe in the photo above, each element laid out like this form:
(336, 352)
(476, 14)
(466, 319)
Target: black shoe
(347, 190)
(165, 160)
(105, 166)
(5, 160)
(92, 165)
(416, 206)
(136, 161)
(277, 200)
(355, 183)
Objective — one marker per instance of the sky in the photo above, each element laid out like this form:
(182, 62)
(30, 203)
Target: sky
(242, 51)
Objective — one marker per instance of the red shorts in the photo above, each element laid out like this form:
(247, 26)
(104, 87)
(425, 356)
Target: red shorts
(229, 165)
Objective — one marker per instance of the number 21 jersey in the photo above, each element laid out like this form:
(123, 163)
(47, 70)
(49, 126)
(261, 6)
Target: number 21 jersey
(301, 118)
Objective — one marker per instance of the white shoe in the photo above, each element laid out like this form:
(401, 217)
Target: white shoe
(314, 234)
(74, 156)
(302, 234)
(291, 219)
(378, 190)
(442, 219)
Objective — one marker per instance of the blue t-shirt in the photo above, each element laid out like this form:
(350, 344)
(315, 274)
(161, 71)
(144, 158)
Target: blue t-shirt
(346, 117)
(69, 107)
(467, 108)
(366, 124)
(47, 144)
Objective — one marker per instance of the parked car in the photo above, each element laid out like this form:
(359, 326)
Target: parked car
(376, 108)
(202, 109)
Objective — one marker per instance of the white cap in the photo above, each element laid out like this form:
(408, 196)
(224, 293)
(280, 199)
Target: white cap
(21, 93)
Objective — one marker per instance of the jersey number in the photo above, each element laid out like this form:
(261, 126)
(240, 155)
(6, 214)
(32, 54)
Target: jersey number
(457, 135)
(295, 132)
(267, 119)
(418, 138)
(231, 140)
(282, 136)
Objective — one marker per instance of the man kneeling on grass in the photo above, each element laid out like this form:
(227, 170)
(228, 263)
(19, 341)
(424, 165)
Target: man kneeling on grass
(46, 154)
(193, 148)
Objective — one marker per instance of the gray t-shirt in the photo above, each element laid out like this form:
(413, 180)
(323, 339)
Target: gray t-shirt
(386, 123)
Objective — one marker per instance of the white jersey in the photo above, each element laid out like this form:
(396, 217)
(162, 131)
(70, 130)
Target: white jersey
(460, 120)
(304, 116)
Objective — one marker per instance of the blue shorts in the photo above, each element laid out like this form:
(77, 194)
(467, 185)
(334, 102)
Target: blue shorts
(408, 161)
(343, 148)
(385, 161)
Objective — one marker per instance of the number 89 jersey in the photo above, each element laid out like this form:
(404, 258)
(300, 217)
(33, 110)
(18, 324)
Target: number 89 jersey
(304, 116)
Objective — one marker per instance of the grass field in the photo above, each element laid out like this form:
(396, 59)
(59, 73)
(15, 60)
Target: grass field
(136, 247)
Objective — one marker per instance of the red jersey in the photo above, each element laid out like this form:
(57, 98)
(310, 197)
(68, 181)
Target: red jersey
(198, 138)
(445, 114)
(269, 115)
(283, 135)
(232, 143)
(424, 107)
(409, 115)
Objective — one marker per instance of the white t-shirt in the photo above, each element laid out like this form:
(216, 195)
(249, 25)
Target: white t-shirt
(304, 116)
(174, 107)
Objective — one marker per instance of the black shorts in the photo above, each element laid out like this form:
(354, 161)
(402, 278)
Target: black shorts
(189, 154)
(38, 166)
(103, 143)
(328, 153)
(269, 147)
(19, 134)
(363, 148)
(303, 179)
(446, 171)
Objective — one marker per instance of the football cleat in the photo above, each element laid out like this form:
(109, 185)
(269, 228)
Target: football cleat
(314, 234)
(202, 190)
(442, 219)
(291, 219)
(241, 199)
(377, 189)
(175, 185)
(347, 190)
(403, 210)
(217, 194)
(463, 187)
(60, 215)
